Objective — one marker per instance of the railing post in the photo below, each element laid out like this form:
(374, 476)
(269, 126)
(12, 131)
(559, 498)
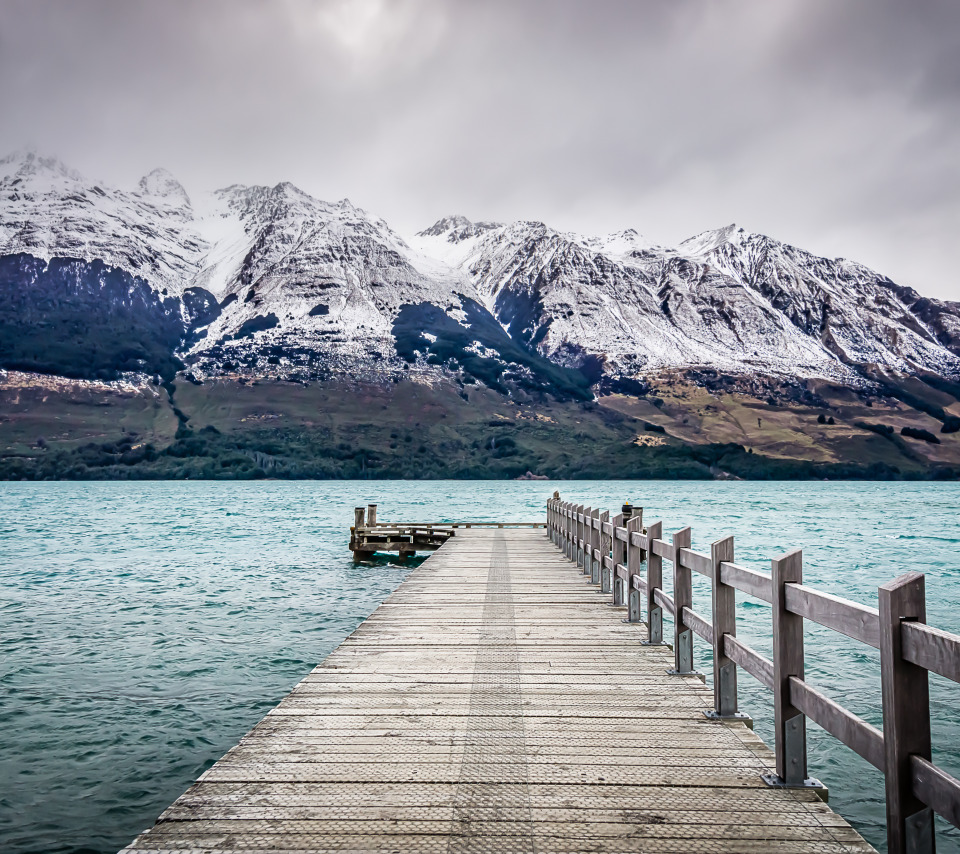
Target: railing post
(606, 575)
(575, 533)
(585, 557)
(603, 544)
(563, 527)
(581, 511)
(592, 541)
(568, 534)
(906, 717)
(682, 598)
(654, 582)
(629, 596)
(724, 611)
(595, 537)
(789, 722)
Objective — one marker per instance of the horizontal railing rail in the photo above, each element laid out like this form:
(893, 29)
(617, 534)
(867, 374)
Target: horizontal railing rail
(612, 552)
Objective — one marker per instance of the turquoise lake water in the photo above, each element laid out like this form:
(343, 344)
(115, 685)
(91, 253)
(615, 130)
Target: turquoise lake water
(145, 627)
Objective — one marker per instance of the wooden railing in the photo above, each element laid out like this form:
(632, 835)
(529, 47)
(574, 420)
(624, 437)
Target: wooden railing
(612, 552)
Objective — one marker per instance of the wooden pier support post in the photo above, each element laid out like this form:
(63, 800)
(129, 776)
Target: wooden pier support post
(789, 722)
(371, 515)
(654, 582)
(906, 717)
(682, 598)
(357, 538)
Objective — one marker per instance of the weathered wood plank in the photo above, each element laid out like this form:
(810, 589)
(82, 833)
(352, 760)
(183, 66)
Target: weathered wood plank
(856, 621)
(495, 702)
(930, 648)
(856, 733)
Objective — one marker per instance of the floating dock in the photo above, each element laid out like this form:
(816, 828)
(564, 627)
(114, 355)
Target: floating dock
(497, 702)
(369, 537)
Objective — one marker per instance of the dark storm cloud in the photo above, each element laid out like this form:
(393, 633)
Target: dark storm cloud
(832, 125)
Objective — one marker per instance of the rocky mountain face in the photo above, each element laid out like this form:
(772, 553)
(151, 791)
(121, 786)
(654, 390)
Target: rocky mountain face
(254, 281)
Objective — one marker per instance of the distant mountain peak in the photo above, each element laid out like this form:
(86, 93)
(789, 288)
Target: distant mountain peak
(708, 241)
(30, 163)
(160, 185)
(457, 228)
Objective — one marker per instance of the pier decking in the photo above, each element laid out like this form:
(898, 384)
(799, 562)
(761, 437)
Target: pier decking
(496, 702)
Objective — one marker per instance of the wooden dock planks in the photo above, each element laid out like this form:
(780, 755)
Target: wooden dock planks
(496, 703)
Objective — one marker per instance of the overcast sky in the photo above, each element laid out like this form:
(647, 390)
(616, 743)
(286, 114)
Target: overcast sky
(833, 125)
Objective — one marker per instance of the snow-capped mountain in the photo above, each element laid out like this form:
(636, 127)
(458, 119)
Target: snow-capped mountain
(272, 279)
(727, 299)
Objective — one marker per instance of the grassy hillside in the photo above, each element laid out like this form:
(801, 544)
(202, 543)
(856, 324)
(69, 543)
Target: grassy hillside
(231, 428)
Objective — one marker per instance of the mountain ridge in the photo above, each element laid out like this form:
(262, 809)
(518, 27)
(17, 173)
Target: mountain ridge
(288, 283)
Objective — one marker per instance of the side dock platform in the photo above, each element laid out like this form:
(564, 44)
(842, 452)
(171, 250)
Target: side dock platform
(497, 702)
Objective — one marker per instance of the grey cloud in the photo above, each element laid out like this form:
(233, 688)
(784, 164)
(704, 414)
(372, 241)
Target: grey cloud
(831, 125)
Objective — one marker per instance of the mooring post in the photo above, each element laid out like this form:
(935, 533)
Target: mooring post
(682, 598)
(789, 721)
(371, 515)
(357, 539)
(906, 717)
(724, 609)
(654, 582)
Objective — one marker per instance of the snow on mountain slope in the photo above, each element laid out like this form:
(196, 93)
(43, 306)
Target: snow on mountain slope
(328, 277)
(284, 279)
(858, 315)
(726, 299)
(48, 210)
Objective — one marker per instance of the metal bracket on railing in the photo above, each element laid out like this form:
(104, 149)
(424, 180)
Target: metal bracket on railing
(775, 781)
(736, 717)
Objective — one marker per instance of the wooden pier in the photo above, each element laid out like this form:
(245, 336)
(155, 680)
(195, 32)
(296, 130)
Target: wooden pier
(498, 700)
